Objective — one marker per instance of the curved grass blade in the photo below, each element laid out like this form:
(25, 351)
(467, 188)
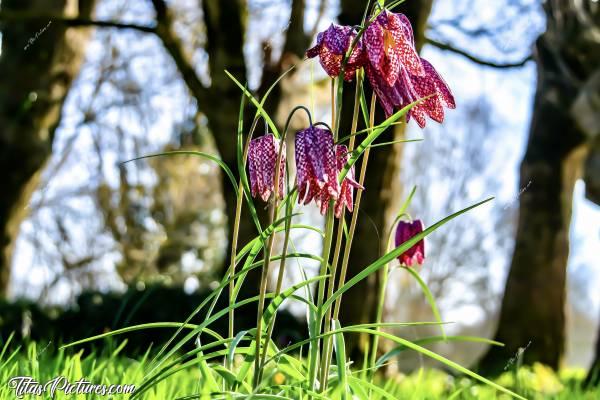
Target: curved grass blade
(277, 301)
(239, 277)
(441, 359)
(429, 297)
(200, 328)
(128, 329)
(211, 157)
(346, 329)
(340, 357)
(433, 339)
(372, 387)
(259, 107)
(366, 142)
(234, 343)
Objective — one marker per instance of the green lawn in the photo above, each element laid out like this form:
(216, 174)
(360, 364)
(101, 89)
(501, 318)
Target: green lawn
(44, 363)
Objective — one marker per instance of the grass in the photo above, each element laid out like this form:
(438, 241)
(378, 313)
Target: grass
(45, 362)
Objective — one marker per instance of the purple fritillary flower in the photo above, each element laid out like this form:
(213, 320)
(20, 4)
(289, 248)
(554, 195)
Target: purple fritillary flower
(315, 165)
(389, 96)
(332, 45)
(389, 45)
(405, 231)
(262, 156)
(345, 198)
(410, 88)
(416, 87)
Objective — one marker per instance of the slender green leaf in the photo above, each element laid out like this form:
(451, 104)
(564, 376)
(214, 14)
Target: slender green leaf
(340, 357)
(259, 107)
(429, 297)
(382, 261)
(211, 157)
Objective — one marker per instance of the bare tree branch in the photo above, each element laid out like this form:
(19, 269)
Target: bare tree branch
(174, 46)
(11, 16)
(477, 60)
(320, 14)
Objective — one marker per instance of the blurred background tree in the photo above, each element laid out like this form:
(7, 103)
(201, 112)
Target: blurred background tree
(150, 78)
(566, 117)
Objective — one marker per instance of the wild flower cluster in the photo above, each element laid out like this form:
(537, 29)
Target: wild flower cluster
(382, 50)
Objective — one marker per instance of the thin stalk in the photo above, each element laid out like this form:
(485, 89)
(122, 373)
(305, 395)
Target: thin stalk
(327, 348)
(279, 283)
(329, 222)
(236, 229)
(333, 117)
(265, 271)
(382, 288)
(263, 288)
(379, 316)
(348, 246)
(314, 350)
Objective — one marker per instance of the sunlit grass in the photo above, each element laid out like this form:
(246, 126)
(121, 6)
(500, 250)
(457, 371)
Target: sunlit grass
(45, 362)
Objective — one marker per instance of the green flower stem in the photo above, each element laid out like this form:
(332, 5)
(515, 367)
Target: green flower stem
(258, 364)
(314, 349)
(384, 280)
(327, 348)
(263, 289)
(236, 229)
(265, 271)
(282, 262)
(385, 272)
(329, 222)
(348, 246)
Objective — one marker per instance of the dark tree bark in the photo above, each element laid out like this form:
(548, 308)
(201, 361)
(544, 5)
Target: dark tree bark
(532, 313)
(38, 64)
(221, 100)
(382, 192)
(225, 48)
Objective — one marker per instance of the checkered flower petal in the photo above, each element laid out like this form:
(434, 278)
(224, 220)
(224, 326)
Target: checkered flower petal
(315, 164)
(346, 197)
(262, 157)
(390, 46)
(416, 87)
(332, 45)
(389, 96)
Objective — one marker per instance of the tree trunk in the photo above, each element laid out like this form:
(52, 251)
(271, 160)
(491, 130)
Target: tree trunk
(381, 196)
(38, 63)
(532, 314)
(225, 48)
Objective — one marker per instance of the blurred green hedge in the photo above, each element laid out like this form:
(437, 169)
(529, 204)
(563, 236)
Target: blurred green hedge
(94, 313)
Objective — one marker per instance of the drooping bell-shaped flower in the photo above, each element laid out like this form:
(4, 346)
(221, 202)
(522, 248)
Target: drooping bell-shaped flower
(315, 164)
(262, 157)
(389, 46)
(345, 198)
(410, 88)
(406, 230)
(332, 45)
(388, 96)
(431, 84)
